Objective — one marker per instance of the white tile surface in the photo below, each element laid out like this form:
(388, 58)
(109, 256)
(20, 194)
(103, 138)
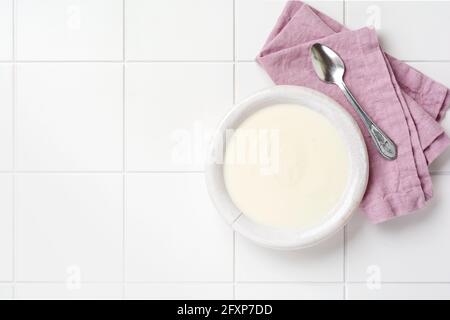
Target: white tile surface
(6, 27)
(322, 263)
(69, 227)
(69, 128)
(397, 291)
(56, 291)
(255, 19)
(173, 231)
(179, 30)
(409, 249)
(290, 291)
(6, 227)
(409, 38)
(69, 116)
(6, 292)
(6, 111)
(171, 110)
(250, 78)
(182, 291)
(69, 29)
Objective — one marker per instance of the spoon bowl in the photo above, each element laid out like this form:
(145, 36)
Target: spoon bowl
(328, 65)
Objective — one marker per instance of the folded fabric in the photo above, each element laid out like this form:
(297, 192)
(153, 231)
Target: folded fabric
(404, 103)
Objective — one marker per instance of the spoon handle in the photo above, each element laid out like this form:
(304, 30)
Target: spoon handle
(386, 147)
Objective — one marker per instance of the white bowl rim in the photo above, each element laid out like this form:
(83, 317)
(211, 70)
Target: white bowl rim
(284, 239)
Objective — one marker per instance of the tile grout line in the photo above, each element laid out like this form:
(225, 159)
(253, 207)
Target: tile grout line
(68, 172)
(345, 261)
(179, 61)
(344, 251)
(234, 102)
(14, 100)
(344, 12)
(234, 32)
(234, 264)
(119, 61)
(230, 282)
(124, 164)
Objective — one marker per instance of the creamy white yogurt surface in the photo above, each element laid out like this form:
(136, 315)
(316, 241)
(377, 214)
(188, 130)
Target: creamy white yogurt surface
(286, 166)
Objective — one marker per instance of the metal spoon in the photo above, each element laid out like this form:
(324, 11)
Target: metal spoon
(330, 68)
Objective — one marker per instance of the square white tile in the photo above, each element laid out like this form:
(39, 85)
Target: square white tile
(179, 291)
(69, 29)
(173, 231)
(69, 227)
(171, 111)
(250, 78)
(397, 291)
(255, 20)
(410, 37)
(6, 116)
(57, 291)
(6, 28)
(6, 227)
(179, 30)
(289, 291)
(69, 116)
(409, 249)
(6, 292)
(322, 263)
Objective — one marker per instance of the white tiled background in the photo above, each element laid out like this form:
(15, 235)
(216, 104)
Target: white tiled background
(95, 97)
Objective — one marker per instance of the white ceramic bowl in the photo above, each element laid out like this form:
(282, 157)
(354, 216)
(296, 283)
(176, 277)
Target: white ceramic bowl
(357, 182)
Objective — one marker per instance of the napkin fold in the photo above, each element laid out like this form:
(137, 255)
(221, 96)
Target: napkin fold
(403, 102)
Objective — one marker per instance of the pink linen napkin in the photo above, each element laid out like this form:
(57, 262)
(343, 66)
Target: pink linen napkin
(406, 104)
